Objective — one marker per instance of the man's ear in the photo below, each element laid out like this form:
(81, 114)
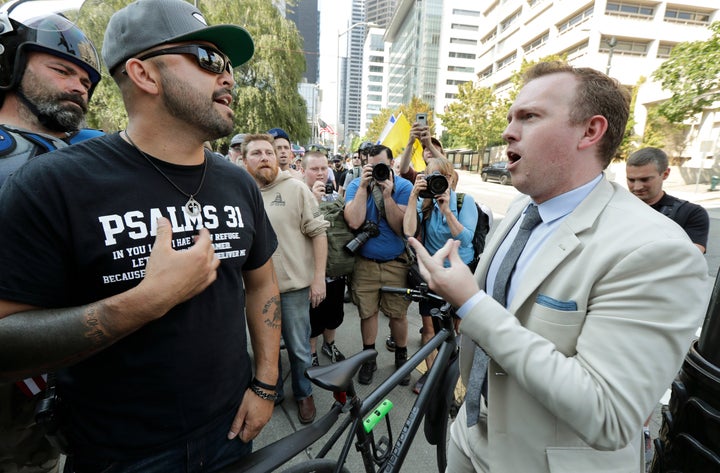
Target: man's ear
(595, 129)
(144, 75)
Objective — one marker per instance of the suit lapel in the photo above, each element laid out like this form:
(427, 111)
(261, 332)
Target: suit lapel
(560, 244)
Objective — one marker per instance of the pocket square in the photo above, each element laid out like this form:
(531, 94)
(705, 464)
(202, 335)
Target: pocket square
(547, 301)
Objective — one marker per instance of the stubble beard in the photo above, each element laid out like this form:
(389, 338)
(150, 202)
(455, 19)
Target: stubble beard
(52, 113)
(184, 102)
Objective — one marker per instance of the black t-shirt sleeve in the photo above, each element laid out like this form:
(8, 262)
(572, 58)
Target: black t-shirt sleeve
(265, 241)
(33, 246)
(696, 224)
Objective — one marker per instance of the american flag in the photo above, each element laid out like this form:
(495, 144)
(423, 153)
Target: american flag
(324, 127)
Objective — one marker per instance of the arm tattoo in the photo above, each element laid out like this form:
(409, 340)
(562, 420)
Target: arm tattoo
(275, 321)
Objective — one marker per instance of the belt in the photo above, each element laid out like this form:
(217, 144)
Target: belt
(381, 261)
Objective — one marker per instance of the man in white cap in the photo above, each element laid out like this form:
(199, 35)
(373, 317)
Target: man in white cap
(139, 261)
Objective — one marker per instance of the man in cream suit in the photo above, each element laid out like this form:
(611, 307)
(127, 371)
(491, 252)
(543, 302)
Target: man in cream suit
(603, 282)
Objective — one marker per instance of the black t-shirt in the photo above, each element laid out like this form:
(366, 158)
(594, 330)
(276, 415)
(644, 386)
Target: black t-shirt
(691, 217)
(79, 227)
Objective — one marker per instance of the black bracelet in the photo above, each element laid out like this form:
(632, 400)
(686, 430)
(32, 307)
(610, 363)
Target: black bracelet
(264, 395)
(259, 384)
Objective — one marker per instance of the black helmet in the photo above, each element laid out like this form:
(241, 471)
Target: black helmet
(53, 34)
(365, 147)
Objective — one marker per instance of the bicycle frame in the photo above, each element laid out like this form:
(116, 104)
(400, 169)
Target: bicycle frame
(278, 453)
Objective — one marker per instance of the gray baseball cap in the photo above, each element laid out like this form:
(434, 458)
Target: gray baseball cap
(145, 24)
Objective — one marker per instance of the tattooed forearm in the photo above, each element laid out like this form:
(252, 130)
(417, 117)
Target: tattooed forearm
(272, 305)
(41, 340)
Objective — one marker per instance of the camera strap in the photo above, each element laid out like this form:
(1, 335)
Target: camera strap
(379, 201)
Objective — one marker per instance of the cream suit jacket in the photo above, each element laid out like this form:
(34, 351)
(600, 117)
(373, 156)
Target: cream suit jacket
(570, 387)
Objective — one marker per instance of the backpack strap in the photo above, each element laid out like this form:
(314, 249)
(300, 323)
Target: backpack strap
(460, 198)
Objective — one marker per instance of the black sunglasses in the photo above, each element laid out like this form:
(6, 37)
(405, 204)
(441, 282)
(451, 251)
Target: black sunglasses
(207, 57)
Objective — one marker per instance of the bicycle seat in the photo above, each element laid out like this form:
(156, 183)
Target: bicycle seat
(338, 376)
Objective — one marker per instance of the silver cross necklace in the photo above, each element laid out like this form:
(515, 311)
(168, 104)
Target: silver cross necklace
(192, 207)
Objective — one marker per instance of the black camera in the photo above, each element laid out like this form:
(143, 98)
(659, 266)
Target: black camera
(381, 172)
(367, 231)
(329, 188)
(436, 184)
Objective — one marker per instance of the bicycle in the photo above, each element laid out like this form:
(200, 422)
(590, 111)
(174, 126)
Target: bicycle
(432, 406)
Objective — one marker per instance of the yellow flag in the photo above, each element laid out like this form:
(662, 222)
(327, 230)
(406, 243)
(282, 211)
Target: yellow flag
(397, 138)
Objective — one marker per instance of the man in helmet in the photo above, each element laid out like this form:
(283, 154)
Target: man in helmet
(48, 70)
(149, 334)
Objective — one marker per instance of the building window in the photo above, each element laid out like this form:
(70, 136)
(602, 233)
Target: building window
(506, 61)
(455, 82)
(375, 68)
(374, 88)
(489, 37)
(460, 26)
(450, 96)
(507, 22)
(460, 69)
(469, 42)
(375, 78)
(457, 11)
(376, 59)
(575, 20)
(574, 52)
(625, 46)
(532, 3)
(687, 16)
(462, 55)
(486, 73)
(664, 50)
(375, 98)
(630, 9)
(536, 43)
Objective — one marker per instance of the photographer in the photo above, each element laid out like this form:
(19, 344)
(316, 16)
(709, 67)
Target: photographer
(381, 259)
(436, 221)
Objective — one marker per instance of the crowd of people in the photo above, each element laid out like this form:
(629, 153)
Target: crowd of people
(137, 262)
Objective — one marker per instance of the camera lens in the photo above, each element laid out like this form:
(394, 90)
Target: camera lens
(381, 172)
(329, 188)
(436, 184)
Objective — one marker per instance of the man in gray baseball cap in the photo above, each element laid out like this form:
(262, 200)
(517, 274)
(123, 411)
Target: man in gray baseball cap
(123, 293)
(145, 24)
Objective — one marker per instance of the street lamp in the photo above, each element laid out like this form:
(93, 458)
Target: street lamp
(339, 65)
(612, 42)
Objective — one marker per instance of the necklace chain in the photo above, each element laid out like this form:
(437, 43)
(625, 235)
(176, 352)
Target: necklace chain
(192, 207)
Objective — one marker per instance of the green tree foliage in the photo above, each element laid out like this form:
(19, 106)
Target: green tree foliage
(477, 119)
(266, 90)
(692, 75)
(661, 133)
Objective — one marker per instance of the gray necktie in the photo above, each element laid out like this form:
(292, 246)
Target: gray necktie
(477, 383)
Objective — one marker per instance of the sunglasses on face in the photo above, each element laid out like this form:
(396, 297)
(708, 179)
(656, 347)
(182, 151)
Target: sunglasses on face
(207, 57)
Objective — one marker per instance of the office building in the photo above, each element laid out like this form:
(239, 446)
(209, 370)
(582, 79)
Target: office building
(306, 17)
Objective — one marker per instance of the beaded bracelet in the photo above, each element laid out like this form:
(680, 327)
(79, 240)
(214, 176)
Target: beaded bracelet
(260, 384)
(262, 394)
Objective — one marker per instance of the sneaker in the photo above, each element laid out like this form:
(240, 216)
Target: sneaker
(332, 352)
(390, 343)
(366, 372)
(420, 383)
(315, 361)
(399, 361)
